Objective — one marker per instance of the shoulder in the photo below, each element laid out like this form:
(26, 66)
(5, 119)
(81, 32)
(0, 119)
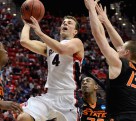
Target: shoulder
(76, 39)
(78, 43)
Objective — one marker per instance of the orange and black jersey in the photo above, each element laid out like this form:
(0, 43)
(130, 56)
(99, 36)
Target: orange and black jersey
(121, 92)
(92, 113)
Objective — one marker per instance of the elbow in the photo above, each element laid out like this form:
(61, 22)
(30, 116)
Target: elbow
(23, 42)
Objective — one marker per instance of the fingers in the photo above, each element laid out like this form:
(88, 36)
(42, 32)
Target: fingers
(98, 9)
(33, 20)
(96, 2)
(86, 4)
(101, 6)
(105, 9)
(16, 107)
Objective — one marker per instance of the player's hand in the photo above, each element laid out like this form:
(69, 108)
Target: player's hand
(102, 13)
(35, 25)
(25, 23)
(90, 3)
(9, 105)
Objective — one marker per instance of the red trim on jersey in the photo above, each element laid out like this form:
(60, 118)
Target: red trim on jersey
(76, 58)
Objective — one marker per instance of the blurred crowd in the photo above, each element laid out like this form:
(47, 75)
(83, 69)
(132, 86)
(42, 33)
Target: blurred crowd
(26, 73)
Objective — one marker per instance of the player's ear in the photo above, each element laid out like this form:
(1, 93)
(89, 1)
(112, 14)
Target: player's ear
(95, 87)
(75, 32)
(127, 51)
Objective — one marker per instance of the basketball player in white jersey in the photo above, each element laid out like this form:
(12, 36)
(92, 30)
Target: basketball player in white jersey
(62, 57)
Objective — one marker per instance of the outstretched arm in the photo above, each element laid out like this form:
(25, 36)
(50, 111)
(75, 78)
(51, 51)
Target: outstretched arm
(114, 36)
(9, 105)
(33, 45)
(97, 31)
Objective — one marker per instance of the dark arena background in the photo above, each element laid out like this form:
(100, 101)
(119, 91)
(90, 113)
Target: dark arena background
(26, 73)
(76, 7)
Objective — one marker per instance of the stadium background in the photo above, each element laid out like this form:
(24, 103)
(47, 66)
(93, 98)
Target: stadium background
(63, 7)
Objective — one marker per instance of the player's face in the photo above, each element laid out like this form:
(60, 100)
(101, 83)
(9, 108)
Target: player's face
(122, 51)
(88, 85)
(68, 28)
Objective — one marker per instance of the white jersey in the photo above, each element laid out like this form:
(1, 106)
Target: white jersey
(61, 70)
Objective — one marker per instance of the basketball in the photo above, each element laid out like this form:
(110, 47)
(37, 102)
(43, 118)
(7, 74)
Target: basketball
(33, 8)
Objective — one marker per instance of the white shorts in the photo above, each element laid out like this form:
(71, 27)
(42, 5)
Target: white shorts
(52, 105)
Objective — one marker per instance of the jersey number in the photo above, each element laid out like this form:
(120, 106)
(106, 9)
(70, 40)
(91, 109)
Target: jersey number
(56, 61)
(132, 79)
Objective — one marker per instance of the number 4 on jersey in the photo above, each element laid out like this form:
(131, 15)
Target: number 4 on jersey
(56, 61)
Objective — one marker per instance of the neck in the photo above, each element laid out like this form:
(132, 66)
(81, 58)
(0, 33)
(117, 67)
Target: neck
(90, 99)
(64, 37)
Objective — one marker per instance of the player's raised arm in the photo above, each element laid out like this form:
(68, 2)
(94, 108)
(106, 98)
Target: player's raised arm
(99, 35)
(69, 48)
(33, 45)
(114, 36)
(9, 105)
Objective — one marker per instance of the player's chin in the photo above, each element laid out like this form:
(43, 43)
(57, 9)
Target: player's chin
(85, 90)
(63, 35)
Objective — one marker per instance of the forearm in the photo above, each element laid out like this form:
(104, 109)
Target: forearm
(114, 36)
(98, 31)
(33, 45)
(1, 104)
(96, 26)
(52, 43)
(25, 33)
(94, 21)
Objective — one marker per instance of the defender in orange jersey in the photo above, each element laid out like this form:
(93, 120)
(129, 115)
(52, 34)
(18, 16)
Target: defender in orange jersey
(91, 109)
(121, 86)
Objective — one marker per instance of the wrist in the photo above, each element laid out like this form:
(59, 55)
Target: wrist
(27, 26)
(40, 33)
(107, 22)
